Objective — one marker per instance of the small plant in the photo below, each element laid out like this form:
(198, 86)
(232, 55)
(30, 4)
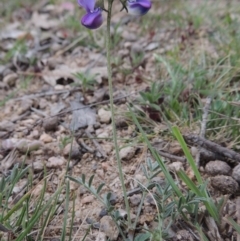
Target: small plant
(21, 216)
(86, 81)
(64, 141)
(152, 96)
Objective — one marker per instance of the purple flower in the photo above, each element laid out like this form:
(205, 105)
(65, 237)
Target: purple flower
(93, 18)
(138, 7)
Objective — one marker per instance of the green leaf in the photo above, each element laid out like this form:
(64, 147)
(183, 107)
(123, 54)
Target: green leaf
(100, 187)
(90, 180)
(83, 178)
(142, 237)
(187, 153)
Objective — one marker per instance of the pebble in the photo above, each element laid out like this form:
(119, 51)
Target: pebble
(3, 134)
(82, 190)
(135, 199)
(55, 162)
(38, 166)
(35, 134)
(25, 106)
(122, 213)
(175, 166)
(50, 124)
(104, 116)
(88, 199)
(184, 235)
(149, 200)
(224, 184)
(113, 198)
(127, 153)
(236, 173)
(10, 79)
(46, 138)
(103, 213)
(215, 168)
(25, 146)
(108, 226)
(6, 126)
(101, 236)
(73, 149)
(9, 144)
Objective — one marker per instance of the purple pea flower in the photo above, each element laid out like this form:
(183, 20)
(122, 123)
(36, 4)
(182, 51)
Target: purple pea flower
(138, 7)
(93, 18)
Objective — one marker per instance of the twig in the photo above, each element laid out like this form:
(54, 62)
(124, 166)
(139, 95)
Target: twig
(97, 145)
(213, 147)
(21, 116)
(52, 92)
(172, 157)
(203, 127)
(85, 146)
(238, 216)
(71, 45)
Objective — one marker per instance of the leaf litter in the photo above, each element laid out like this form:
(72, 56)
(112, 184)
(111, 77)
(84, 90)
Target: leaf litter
(40, 58)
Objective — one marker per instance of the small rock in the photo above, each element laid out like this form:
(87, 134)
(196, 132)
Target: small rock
(25, 106)
(88, 199)
(50, 124)
(121, 122)
(108, 226)
(236, 173)
(184, 235)
(6, 126)
(104, 116)
(135, 199)
(3, 134)
(152, 46)
(82, 190)
(175, 166)
(129, 36)
(9, 144)
(215, 168)
(101, 236)
(113, 198)
(25, 146)
(122, 213)
(127, 153)
(103, 213)
(46, 138)
(55, 162)
(35, 134)
(37, 166)
(149, 200)
(10, 79)
(74, 149)
(224, 184)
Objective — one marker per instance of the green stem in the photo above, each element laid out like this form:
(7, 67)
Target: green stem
(108, 42)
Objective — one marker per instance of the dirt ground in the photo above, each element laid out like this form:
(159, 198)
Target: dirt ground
(55, 116)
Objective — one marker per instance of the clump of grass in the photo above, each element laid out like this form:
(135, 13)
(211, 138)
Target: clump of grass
(86, 81)
(26, 216)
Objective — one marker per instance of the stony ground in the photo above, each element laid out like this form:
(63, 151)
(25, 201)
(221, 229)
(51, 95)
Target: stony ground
(55, 116)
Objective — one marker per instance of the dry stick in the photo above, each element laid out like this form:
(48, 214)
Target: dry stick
(203, 127)
(172, 157)
(238, 215)
(213, 147)
(52, 92)
(97, 145)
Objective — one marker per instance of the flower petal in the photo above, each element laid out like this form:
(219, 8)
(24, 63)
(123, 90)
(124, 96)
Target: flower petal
(138, 7)
(92, 20)
(88, 5)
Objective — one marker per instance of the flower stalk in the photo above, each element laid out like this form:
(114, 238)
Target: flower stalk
(114, 131)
